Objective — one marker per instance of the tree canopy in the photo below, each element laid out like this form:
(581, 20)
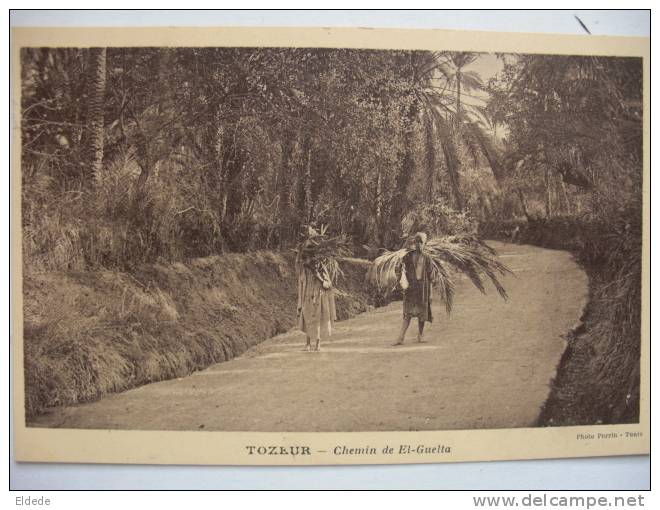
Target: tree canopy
(204, 150)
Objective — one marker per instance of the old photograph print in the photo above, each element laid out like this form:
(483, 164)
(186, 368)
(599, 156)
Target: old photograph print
(329, 240)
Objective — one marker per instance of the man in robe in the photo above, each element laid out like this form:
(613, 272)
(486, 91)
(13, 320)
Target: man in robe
(316, 303)
(415, 280)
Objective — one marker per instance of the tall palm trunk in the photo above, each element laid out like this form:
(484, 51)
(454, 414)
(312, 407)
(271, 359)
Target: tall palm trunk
(458, 97)
(490, 153)
(567, 200)
(284, 191)
(400, 200)
(145, 147)
(430, 156)
(378, 213)
(309, 204)
(451, 160)
(548, 194)
(95, 106)
(523, 204)
(449, 150)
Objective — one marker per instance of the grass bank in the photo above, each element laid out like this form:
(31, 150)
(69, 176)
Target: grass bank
(598, 377)
(90, 333)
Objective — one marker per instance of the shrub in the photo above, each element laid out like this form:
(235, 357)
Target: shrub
(113, 223)
(438, 219)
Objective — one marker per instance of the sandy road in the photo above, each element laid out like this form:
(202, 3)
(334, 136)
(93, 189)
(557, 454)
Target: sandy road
(488, 365)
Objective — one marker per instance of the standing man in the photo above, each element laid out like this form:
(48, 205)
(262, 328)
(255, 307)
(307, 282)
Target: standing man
(415, 280)
(316, 303)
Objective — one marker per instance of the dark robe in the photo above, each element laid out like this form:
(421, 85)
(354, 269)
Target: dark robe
(417, 297)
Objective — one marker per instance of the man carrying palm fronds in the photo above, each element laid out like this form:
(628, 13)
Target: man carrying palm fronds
(425, 265)
(318, 268)
(416, 278)
(316, 303)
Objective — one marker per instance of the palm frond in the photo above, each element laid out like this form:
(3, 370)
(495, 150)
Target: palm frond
(319, 249)
(472, 146)
(465, 253)
(383, 271)
(463, 58)
(479, 115)
(485, 143)
(443, 283)
(471, 81)
(446, 72)
(470, 256)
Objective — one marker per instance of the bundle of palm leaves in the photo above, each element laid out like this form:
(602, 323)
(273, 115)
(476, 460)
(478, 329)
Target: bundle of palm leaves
(465, 253)
(319, 249)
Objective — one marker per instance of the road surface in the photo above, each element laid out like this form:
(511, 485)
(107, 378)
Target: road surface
(488, 365)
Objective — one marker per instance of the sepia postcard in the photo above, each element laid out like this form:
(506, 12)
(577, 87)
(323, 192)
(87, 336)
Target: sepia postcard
(281, 246)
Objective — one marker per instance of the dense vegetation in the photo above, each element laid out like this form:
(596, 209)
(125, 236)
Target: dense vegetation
(210, 150)
(140, 155)
(134, 154)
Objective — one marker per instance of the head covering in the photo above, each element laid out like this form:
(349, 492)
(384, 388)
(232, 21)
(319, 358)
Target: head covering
(420, 236)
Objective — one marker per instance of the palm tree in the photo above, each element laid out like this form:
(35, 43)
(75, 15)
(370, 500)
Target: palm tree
(437, 80)
(457, 77)
(95, 107)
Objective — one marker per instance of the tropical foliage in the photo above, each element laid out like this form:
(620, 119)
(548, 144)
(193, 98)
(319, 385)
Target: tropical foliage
(135, 154)
(574, 143)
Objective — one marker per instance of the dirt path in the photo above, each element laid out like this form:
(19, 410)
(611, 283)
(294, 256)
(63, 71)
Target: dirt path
(486, 366)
